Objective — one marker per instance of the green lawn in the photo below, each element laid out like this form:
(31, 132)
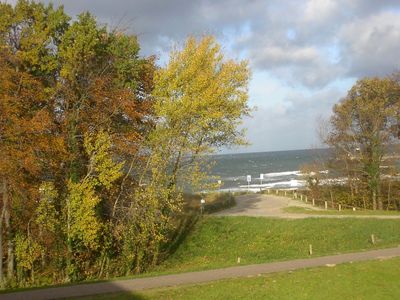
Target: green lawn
(217, 242)
(305, 210)
(362, 280)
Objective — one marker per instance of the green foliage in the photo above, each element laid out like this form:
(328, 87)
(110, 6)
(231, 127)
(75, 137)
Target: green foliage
(82, 48)
(361, 133)
(27, 252)
(31, 31)
(102, 168)
(84, 224)
(125, 51)
(46, 213)
(201, 97)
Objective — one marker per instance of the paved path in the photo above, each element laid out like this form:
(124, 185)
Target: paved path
(262, 205)
(196, 277)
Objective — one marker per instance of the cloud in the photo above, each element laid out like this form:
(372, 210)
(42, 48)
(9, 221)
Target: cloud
(287, 38)
(275, 56)
(320, 10)
(290, 123)
(371, 46)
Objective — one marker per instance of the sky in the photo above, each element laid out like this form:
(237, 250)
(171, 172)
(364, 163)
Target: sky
(304, 54)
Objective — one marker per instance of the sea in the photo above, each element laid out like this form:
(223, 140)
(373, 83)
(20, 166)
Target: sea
(263, 170)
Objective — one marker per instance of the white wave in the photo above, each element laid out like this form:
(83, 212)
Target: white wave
(279, 174)
(289, 183)
(235, 178)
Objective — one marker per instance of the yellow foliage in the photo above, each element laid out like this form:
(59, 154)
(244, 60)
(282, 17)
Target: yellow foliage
(27, 251)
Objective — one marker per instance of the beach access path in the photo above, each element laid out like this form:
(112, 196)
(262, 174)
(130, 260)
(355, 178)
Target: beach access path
(267, 205)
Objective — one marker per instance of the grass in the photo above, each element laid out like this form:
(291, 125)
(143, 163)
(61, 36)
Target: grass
(305, 210)
(362, 280)
(217, 242)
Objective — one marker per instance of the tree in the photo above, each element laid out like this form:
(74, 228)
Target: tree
(97, 144)
(24, 144)
(200, 101)
(60, 81)
(362, 130)
(200, 98)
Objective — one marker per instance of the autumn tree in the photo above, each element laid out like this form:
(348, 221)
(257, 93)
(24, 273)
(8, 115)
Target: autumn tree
(200, 98)
(97, 144)
(81, 79)
(362, 131)
(24, 143)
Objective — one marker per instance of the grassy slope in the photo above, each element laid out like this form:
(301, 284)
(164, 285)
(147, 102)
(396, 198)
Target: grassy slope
(218, 241)
(305, 210)
(364, 280)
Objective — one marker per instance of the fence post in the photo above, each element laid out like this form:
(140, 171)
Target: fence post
(306, 199)
(285, 193)
(326, 205)
(301, 197)
(313, 201)
(340, 207)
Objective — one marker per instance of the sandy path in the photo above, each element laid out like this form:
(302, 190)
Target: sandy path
(196, 277)
(262, 205)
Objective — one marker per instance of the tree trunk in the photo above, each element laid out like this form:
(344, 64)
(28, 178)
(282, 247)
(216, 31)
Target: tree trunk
(1, 248)
(388, 196)
(69, 245)
(10, 240)
(374, 200)
(4, 186)
(379, 197)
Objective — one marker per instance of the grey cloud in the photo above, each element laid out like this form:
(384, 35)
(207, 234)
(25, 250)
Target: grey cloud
(291, 124)
(371, 46)
(158, 23)
(315, 24)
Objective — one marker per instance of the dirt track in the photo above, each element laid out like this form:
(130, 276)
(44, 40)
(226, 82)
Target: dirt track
(261, 205)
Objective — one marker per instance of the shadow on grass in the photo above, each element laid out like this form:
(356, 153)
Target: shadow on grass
(186, 225)
(186, 222)
(102, 291)
(114, 296)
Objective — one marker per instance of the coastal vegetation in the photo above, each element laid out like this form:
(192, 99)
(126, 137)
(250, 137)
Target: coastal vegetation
(363, 135)
(98, 143)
